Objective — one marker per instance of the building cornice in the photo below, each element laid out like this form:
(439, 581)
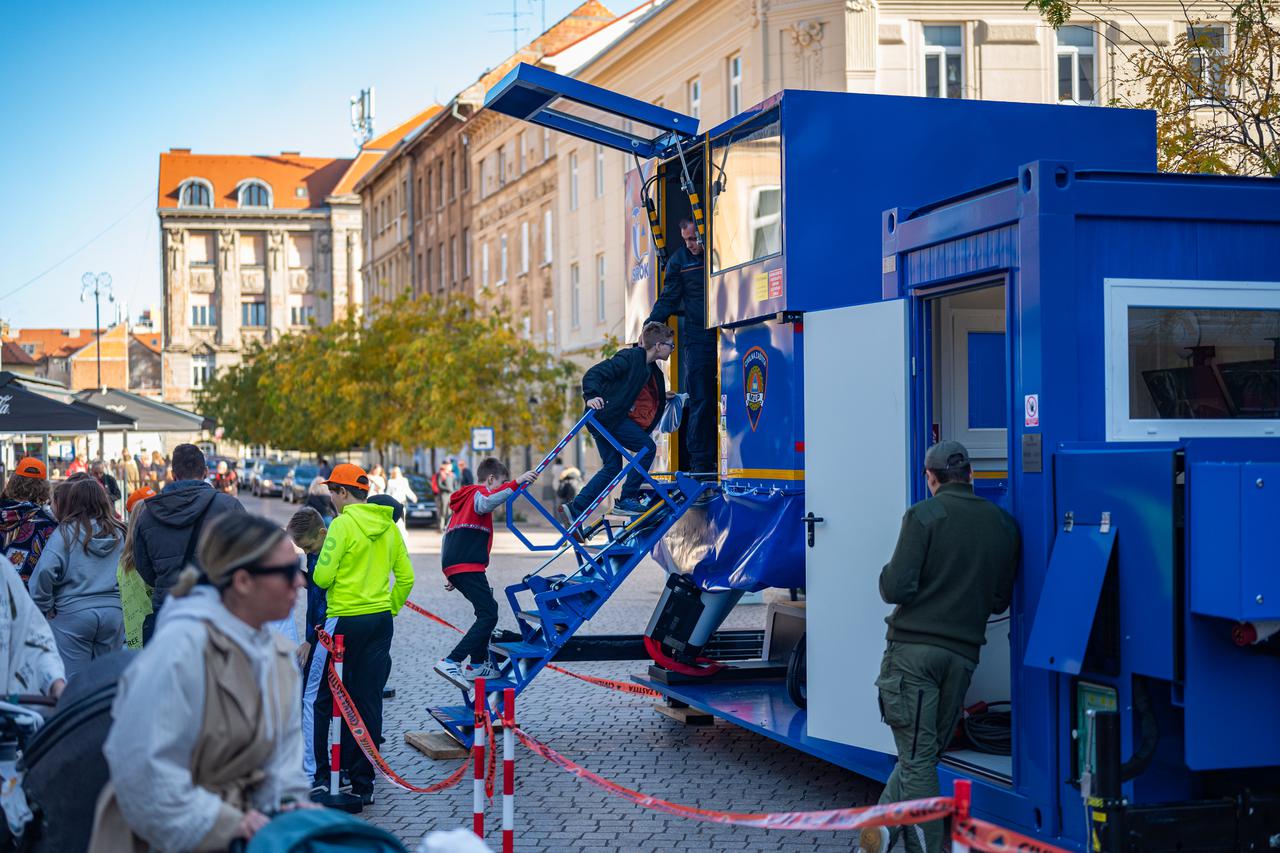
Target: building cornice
(175, 216)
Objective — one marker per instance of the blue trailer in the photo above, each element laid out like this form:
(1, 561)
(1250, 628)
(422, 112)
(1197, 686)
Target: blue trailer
(850, 339)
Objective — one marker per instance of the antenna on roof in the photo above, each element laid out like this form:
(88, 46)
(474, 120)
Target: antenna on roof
(515, 29)
(362, 116)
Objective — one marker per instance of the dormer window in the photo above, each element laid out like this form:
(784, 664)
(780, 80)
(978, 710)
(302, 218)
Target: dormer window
(195, 192)
(255, 194)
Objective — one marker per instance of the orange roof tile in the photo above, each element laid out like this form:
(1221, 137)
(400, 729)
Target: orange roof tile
(14, 354)
(285, 174)
(391, 137)
(53, 343)
(150, 340)
(359, 167)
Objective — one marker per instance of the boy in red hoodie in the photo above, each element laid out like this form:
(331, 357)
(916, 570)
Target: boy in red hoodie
(464, 556)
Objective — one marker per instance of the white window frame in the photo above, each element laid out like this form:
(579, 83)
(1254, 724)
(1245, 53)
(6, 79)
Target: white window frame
(1120, 294)
(694, 88)
(502, 165)
(546, 143)
(202, 372)
(601, 287)
(524, 247)
(520, 146)
(599, 171)
(734, 68)
(453, 259)
(1205, 65)
(1075, 53)
(249, 182)
(575, 297)
(480, 177)
(942, 52)
(484, 264)
(466, 253)
(502, 260)
(547, 248)
(182, 191)
(758, 223)
(573, 180)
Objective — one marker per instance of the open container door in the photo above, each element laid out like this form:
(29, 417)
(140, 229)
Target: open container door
(588, 112)
(856, 444)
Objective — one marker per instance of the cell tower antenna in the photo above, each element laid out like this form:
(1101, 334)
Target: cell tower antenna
(362, 116)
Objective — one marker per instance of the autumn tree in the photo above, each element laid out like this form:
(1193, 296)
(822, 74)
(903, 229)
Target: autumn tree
(1213, 85)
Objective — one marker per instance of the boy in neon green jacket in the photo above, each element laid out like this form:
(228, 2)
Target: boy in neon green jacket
(362, 553)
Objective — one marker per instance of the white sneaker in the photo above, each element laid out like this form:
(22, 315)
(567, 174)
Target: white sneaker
(451, 670)
(874, 839)
(485, 670)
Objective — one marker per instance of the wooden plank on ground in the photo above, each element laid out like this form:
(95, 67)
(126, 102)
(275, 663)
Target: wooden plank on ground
(688, 716)
(435, 745)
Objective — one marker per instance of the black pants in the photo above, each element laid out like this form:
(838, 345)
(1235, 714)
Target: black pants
(475, 588)
(700, 381)
(366, 665)
(629, 434)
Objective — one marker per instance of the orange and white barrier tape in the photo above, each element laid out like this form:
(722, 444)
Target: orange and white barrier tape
(360, 734)
(968, 833)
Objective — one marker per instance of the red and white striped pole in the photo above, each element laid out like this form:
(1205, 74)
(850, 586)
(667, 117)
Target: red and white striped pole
(962, 793)
(508, 770)
(477, 750)
(335, 724)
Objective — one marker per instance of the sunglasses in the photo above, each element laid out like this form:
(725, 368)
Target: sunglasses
(289, 570)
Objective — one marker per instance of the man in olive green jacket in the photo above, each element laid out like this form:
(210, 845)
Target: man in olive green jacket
(953, 568)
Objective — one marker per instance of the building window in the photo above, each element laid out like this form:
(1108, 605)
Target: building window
(944, 61)
(195, 193)
(502, 166)
(252, 250)
(520, 146)
(300, 252)
(524, 247)
(484, 264)
(765, 225)
(426, 276)
(600, 288)
(1077, 77)
(417, 202)
(735, 84)
(466, 252)
(302, 310)
(442, 281)
(201, 311)
(201, 370)
(1208, 45)
(440, 189)
(253, 313)
(466, 161)
(546, 236)
(575, 297)
(526, 325)
(502, 259)
(481, 176)
(453, 259)
(599, 171)
(200, 249)
(254, 194)
(453, 175)
(551, 326)
(695, 98)
(573, 181)
(546, 143)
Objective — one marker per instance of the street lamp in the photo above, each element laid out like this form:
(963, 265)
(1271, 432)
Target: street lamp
(98, 284)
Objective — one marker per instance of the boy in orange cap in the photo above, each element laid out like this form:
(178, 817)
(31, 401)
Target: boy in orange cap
(25, 520)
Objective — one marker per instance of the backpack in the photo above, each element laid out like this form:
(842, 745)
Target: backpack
(322, 831)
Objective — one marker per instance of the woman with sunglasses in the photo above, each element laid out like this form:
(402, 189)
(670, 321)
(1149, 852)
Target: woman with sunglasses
(206, 739)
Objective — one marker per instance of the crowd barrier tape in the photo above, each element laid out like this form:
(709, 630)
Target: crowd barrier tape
(355, 724)
(974, 834)
(610, 683)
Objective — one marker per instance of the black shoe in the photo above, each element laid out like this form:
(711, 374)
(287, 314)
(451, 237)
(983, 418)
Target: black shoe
(366, 797)
(319, 789)
(388, 693)
(344, 781)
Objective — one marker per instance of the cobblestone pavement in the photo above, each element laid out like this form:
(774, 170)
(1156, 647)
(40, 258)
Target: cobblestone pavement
(617, 735)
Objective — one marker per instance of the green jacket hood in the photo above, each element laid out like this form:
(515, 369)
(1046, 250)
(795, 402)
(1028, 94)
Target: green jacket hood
(372, 519)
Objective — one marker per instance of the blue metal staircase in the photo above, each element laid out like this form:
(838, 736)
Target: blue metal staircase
(551, 608)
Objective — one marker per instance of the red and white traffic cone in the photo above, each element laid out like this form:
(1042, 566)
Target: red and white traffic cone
(335, 798)
(477, 750)
(508, 770)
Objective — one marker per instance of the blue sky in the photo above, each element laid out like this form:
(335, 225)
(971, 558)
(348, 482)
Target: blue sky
(93, 92)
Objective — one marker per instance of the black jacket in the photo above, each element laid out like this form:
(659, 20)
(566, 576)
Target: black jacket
(619, 380)
(684, 293)
(166, 528)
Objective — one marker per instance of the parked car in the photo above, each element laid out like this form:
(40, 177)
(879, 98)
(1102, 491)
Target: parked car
(298, 481)
(248, 471)
(271, 480)
(423, 511)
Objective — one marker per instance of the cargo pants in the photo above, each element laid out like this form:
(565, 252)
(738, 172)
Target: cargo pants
(922, 691)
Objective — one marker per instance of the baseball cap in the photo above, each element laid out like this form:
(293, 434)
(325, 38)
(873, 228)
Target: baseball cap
(31, 468)
(946, 455)
(137, 496)
(351, 476)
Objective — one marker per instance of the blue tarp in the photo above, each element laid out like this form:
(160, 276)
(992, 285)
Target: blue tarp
(739, 540)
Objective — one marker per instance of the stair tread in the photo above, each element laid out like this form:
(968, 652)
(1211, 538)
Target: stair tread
(522, 650)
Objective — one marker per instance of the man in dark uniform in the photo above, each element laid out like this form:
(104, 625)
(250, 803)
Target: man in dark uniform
(683, 293)
(952, 569)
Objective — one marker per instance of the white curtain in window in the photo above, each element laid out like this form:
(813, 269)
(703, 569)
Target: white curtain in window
(252, 249)
(199, 248)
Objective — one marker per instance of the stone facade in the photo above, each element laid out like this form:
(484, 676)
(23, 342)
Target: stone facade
(235, 273)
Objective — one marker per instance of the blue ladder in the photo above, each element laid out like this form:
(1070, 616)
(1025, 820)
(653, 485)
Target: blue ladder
(550, 609)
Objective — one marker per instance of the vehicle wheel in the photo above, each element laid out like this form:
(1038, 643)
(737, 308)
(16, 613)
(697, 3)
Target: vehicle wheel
(797, 688)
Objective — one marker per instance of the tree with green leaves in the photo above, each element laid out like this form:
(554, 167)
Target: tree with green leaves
(415, 373)
(1213, 85)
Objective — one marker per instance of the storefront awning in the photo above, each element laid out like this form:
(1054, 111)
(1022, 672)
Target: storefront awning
(148, 415)
(25, 412)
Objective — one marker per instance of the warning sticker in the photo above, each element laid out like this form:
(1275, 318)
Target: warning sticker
(1031, 404)
(775, 284)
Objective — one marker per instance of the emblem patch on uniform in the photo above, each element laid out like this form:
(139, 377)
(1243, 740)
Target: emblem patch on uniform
(755, 378)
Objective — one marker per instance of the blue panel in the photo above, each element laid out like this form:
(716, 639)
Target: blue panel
(765, 432)
(988, 397)
(996, 249)
(1077, 568)
(1259, 558)
(1213, 562)
(1230, 699)
(588, 112)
